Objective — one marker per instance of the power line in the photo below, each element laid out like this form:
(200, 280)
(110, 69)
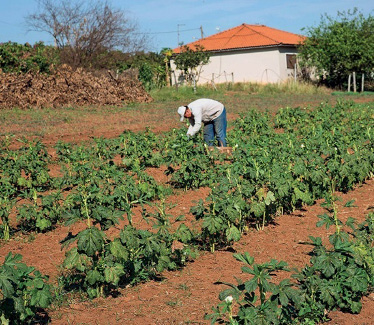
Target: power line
(5, 22)
(170, 32)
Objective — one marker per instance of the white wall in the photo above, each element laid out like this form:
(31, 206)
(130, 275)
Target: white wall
(286, 73)
(267, 65)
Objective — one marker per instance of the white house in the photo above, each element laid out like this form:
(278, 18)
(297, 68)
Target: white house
(246, 53)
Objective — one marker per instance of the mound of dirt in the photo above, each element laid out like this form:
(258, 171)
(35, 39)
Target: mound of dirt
(68, 87)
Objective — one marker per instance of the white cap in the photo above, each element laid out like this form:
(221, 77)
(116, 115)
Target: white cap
(181, 111)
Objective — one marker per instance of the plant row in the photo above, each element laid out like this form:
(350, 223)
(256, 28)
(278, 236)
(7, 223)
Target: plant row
(337, 276)
(278, 164)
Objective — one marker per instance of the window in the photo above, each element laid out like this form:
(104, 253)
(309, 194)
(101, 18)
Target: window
(291, 61)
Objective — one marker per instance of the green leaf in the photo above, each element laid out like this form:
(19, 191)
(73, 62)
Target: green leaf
(20, 307)
(245, 258)
(113, 274)
(38, 283)
(12, 260)
(234, 292)
(357, 279)
(90, 241)
(6, 285)
(283, 299)
(350, 204)
(75, 260)
(305, 197)
(43, 223)
(93, 277)
(316, 241)
(118, 250)
(258, 208)
(326, 220)
(269, 198)
(3, 320)
(24, 183)
(41, 298)
(212, 223)
(327, 295)
(326, 263)
(351, 222)
(183, 233)
(233, 234)
(251, 285)
(356, 307)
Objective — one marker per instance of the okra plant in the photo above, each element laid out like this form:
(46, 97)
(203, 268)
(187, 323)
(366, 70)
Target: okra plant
(257, 300)
(24, 290)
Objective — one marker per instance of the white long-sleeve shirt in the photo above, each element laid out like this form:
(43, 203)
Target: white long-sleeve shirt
(203, 110)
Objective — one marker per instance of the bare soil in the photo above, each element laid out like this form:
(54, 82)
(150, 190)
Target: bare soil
(184, 296)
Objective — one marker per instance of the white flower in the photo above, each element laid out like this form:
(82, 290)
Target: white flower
(302, 145)
(229, 299)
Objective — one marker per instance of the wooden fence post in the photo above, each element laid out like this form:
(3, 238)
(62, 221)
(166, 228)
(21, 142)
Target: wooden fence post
(213, 83)
(354, 82)
(349, 82)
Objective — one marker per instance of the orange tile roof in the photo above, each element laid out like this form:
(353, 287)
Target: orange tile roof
(246, 36)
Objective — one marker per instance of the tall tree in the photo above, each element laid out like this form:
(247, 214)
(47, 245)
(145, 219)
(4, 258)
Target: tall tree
(339, 46)
(167, 53)
(85, 30)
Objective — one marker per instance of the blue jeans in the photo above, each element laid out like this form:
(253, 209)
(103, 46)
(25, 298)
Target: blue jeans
(216, 129)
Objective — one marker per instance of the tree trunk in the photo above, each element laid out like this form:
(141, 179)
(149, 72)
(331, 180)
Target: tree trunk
(362, 82)
(167, 74)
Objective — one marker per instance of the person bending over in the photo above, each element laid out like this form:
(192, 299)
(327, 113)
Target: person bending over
(209, 112)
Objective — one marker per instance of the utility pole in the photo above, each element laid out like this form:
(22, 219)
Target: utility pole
(178, 31)
(202, 32)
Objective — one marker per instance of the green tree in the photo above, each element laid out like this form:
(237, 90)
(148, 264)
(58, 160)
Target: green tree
(167, 53)
(151, 68)
(339, 46)
(17, 58)
(191, 61)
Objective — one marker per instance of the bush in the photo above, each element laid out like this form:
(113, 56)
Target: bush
(18, 58)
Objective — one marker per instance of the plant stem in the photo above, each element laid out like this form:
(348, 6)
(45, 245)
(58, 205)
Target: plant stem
(335, 213)
(86, 212)
(263, 220)
(6, 230)
(212, 248)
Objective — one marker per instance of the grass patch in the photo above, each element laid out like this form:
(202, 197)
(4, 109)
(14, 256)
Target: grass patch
(187, 92)
(291, 87)
(181, 94)
(351, 93)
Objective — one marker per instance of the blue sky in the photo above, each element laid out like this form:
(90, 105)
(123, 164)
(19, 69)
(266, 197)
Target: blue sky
(162, 19)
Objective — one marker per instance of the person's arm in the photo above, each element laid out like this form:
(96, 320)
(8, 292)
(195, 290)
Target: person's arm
(195, 125)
